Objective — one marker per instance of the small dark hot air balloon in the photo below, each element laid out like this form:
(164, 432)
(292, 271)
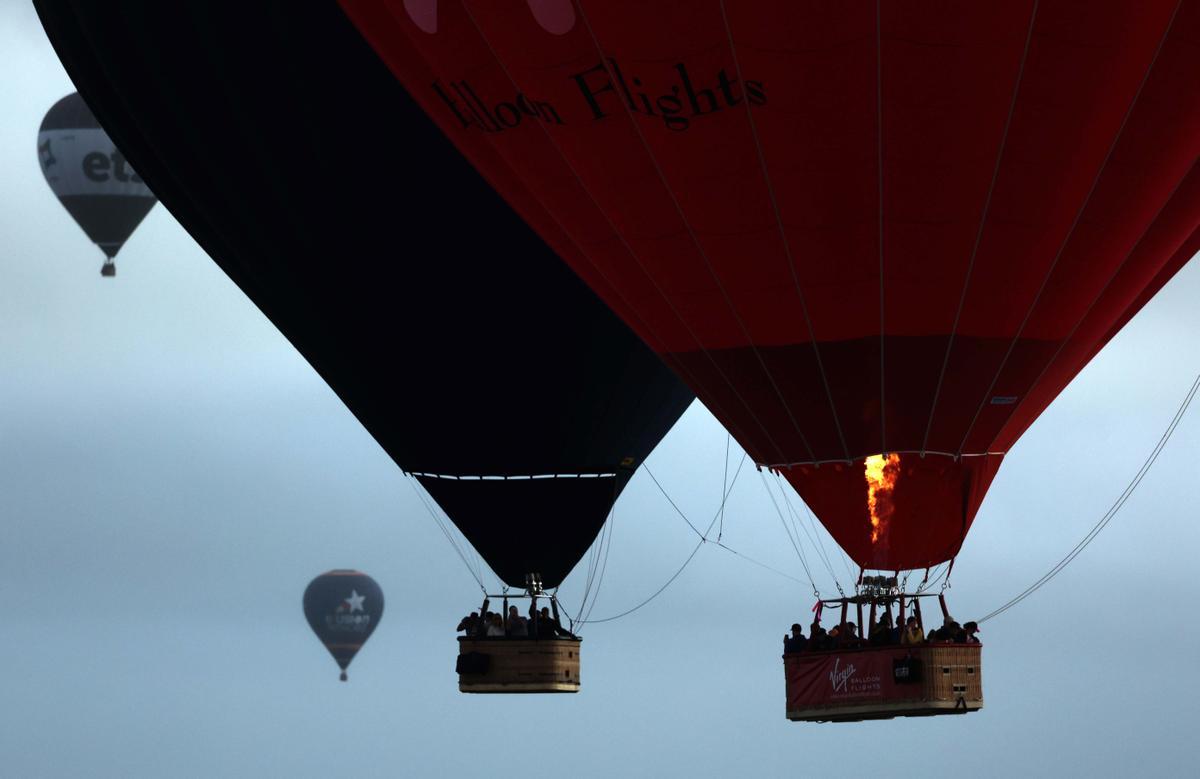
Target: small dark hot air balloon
(343, 608)
(91, 178)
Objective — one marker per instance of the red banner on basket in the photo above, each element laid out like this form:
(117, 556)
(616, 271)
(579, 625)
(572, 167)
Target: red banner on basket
(830, 678)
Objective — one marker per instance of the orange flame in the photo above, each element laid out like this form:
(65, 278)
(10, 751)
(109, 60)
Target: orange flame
(882, 472)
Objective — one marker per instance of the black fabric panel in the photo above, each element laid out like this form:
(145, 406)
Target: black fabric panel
(70, 113)
(537, 525)
(108, 220)
(281, 143)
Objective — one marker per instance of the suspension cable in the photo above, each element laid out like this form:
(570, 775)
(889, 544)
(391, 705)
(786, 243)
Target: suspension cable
(449, 536)
(700, 543)
(724, 487)
(646, 468)
(1108, 515)
(795, 545)
(813, 538)
(816, 533)
(602, 557)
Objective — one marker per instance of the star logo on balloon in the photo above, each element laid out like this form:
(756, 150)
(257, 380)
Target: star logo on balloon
(355, 601)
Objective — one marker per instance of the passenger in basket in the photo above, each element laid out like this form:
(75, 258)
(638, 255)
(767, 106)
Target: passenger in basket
(969, 631)
(796, 642)
(548, 626)
(912, 633)
(517, 626)
(948, 632)
(469, 624)
(819, 641)
(881, 633)
(848, 636)
(495, 628)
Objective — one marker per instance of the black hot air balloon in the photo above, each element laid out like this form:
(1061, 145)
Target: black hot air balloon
(343, 608)
(91, 177)
(478, 361)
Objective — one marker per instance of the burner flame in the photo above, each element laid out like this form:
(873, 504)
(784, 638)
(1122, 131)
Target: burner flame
(881, 473)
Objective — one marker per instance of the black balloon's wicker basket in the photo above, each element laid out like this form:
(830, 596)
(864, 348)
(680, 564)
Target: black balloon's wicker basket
(500, 665)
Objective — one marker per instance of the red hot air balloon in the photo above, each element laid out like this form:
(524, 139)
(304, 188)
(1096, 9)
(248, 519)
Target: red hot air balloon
(857, 230)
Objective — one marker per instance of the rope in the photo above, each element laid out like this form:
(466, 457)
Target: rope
(881, 224)
(597, 563)
(812, 522)
(724, 487)
(602, 555)
(701, 542)
(449, 537)
(756, 562)
(1037, 298)
(701, 252)
(795, 545)
(786, 244)
(657, 592)
(598, 557)
(646, 468)
(680, 367)
(813, 538)
(983, 216)
(1108, 515)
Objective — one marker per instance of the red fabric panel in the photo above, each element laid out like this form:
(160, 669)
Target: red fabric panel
(850, 231)
(934, 501)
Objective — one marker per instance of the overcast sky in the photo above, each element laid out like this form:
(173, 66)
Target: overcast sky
(172, 474)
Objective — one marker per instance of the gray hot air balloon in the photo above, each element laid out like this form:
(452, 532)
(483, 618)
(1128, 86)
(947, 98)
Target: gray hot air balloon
(91, 178)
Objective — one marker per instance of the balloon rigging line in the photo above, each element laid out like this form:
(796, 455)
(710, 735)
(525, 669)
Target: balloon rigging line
(724, 488)
(812, 523)
(595, 551)
(646, 468)
(940, 570)
(625, 244)
(449, 537)
(880, 223)
(593, 564)
(798, 523)
(813, 538)
(1112, 511)
(783, 239)
(1083, 207)
(798, 527)
(702, 253)
(585, 608)
(760, 564)
(657, 592)
(983, 218)
(700, 543)
(787, 530)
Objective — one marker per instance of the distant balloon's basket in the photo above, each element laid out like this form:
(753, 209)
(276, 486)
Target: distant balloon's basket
(500, 665)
